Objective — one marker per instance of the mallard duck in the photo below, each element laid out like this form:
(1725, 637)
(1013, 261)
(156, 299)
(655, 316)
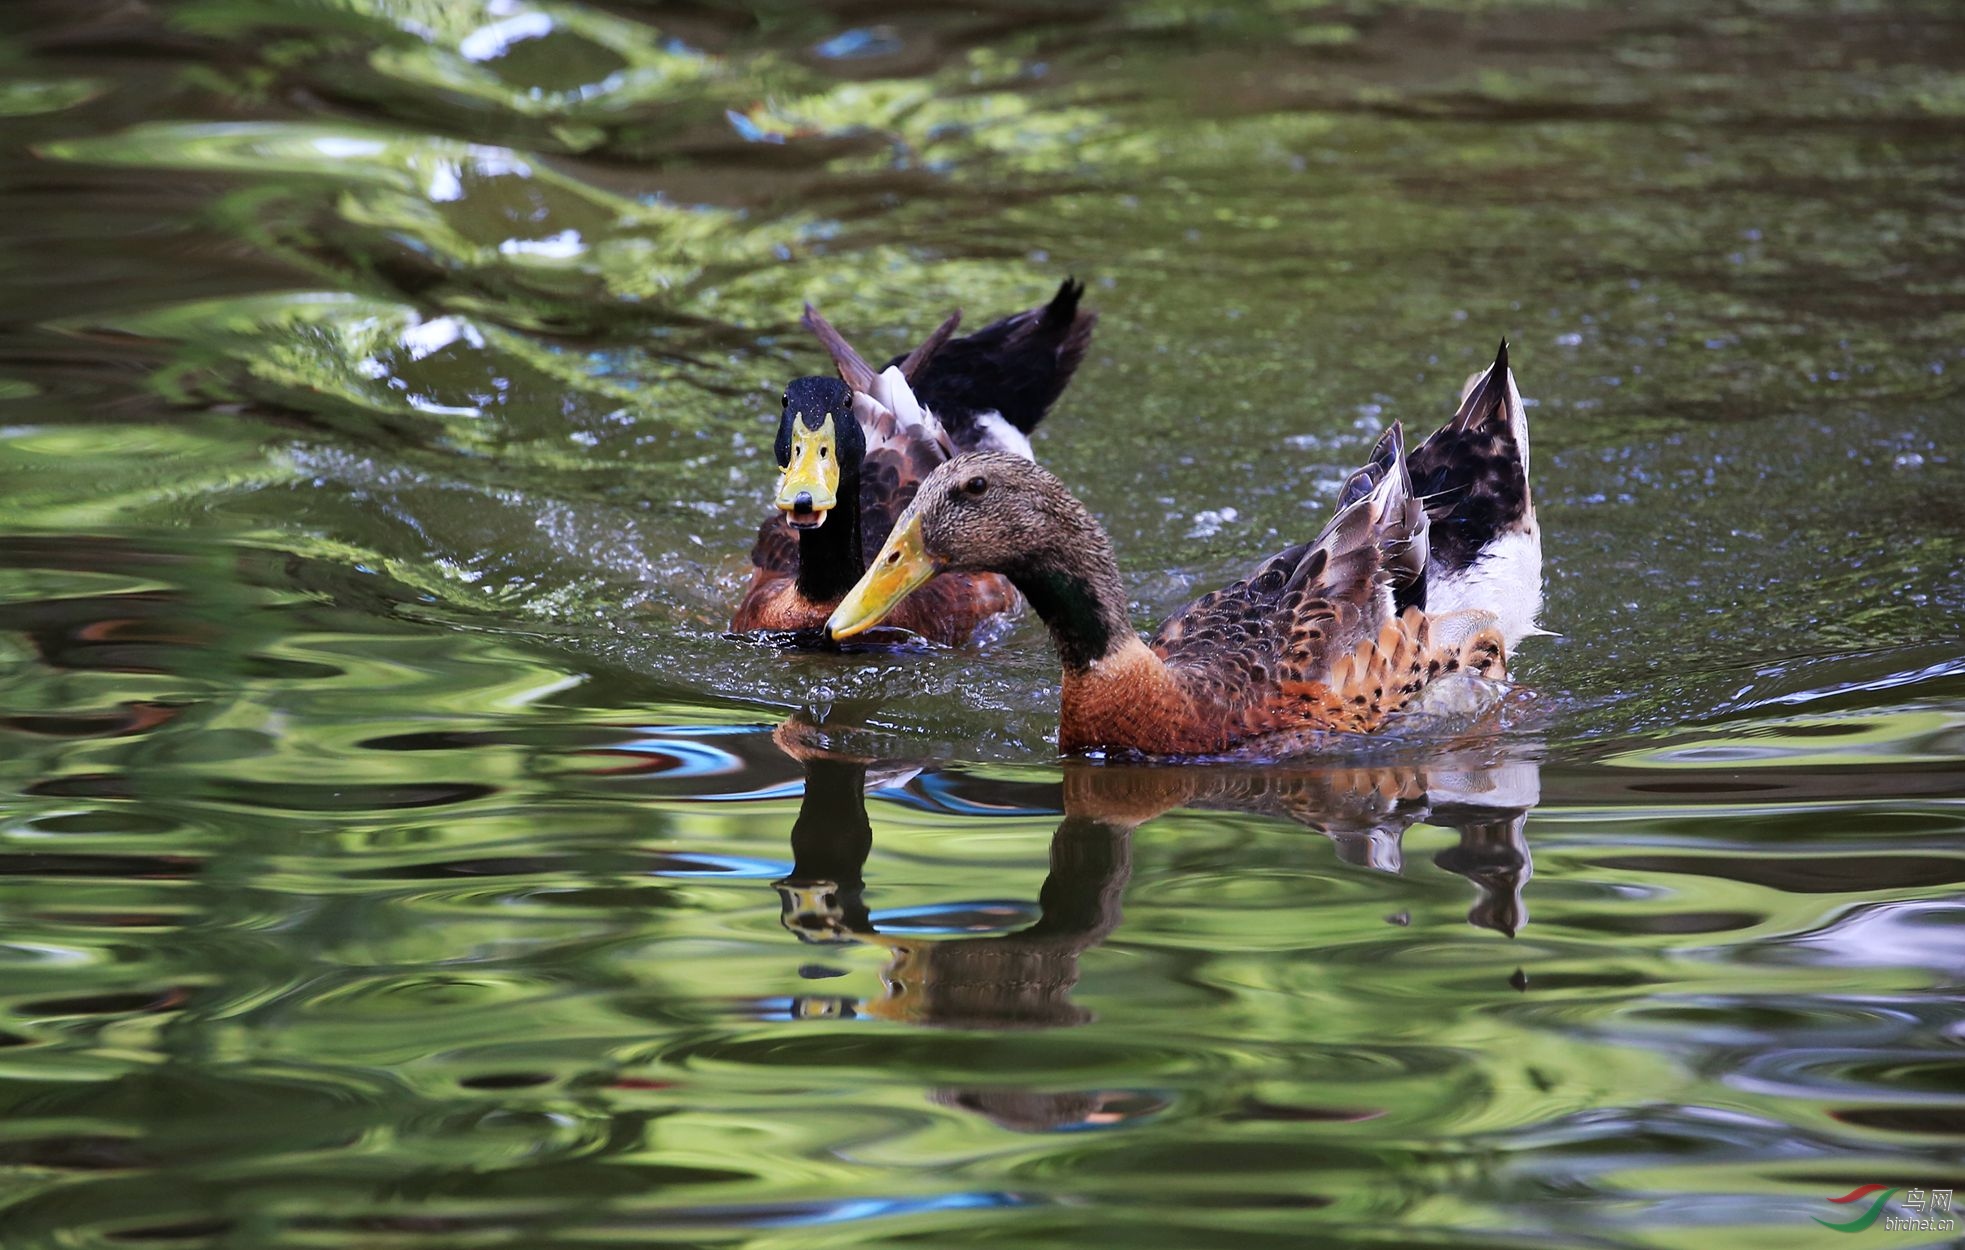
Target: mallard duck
(1432, 565)
(853, 449)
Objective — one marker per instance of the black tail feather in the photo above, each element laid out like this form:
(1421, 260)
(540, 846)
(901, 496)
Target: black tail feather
(1473, 471)
(1486, 400)
(1017, 366)
(918, 360)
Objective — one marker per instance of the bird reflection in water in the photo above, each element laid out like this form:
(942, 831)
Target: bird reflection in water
(1024, 979)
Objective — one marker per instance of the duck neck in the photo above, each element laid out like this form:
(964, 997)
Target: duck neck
(832, 557)
(1079, 598)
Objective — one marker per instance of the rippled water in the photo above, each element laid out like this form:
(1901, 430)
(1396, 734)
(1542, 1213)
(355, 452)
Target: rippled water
(396, 853)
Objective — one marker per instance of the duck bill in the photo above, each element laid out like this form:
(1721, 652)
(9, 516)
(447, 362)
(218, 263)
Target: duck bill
(902, 565)
(809, 488)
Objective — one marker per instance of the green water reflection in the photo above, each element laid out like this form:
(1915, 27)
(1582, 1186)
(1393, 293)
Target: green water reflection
(396, 852)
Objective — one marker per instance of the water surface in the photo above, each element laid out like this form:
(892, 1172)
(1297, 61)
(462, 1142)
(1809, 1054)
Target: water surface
(396, 852)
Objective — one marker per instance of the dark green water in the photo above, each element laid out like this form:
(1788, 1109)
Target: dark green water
(396, 854)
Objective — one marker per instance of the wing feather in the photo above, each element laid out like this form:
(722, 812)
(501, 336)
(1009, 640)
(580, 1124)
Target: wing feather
(1303, 608)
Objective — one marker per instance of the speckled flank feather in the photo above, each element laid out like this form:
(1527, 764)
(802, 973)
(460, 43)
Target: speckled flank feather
(1384, 673)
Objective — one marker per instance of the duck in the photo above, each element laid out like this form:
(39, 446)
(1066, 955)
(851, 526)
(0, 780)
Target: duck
(852, 450)
(1430, 567)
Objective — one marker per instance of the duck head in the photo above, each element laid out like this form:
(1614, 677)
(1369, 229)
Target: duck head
(992, 512)
(819, 449)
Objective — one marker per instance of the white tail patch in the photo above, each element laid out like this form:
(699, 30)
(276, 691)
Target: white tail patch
(1505, 580)
(999, 435)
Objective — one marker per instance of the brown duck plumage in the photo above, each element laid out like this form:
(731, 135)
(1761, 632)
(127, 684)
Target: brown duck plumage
(1336, 634)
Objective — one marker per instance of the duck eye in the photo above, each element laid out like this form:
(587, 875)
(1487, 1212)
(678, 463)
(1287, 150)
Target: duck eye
(824, 452)
(976, 485)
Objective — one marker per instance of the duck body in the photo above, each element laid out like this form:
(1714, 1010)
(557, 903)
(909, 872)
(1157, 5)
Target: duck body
(854, 451)
(799, 573)
(1333, 635)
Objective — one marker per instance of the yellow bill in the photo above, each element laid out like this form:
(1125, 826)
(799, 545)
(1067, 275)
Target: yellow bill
(901, 566)
(810, 486)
